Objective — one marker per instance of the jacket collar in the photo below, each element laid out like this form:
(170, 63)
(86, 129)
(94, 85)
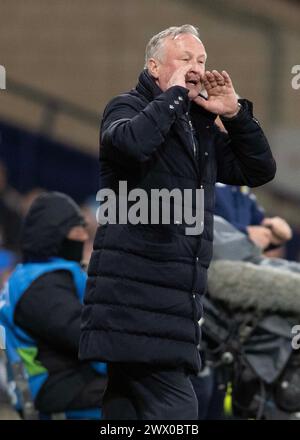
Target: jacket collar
(147, 86)
(149, 89)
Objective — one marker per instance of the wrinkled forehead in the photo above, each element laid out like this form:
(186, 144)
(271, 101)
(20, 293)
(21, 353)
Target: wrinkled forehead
(183, 43)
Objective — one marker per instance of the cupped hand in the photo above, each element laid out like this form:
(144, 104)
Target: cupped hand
(221, 96)
(179, 76)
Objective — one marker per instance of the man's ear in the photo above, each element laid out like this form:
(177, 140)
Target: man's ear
(153, 68)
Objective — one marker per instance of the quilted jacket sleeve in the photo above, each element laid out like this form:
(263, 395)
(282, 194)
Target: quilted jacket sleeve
(244, 156)
(129, 128)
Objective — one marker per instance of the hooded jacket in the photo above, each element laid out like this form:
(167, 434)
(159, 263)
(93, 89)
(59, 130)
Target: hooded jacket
(49, 309)
(143, 296)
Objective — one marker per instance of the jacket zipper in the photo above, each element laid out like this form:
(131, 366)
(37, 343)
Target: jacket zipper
(192, 135)
(197, 330)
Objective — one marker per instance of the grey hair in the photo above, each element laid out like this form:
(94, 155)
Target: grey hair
(155, 44)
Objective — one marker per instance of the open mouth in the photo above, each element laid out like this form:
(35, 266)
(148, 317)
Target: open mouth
(192, 82)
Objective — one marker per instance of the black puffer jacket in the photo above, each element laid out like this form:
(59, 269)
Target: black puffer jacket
(143, 298)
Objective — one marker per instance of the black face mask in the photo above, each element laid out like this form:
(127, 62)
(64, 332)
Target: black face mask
(71, 250)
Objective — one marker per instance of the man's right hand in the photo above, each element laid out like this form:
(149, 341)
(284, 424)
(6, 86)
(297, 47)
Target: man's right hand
(179, 76)
(260, 235)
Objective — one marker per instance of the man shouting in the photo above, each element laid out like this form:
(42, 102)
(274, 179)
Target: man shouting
(143, 298)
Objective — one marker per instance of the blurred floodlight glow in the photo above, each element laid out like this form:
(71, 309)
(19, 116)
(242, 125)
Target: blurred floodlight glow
(2, 78)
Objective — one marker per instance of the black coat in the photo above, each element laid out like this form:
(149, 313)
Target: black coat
(143, 297)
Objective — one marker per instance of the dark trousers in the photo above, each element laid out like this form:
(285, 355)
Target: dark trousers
(140, 392)
(210, 396)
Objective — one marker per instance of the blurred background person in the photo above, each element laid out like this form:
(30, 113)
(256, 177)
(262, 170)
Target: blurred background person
(239, 206)
(41, 308)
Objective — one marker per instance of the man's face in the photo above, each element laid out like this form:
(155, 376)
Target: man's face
(184, 49)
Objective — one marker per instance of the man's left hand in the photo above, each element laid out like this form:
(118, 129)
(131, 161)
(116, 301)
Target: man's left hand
(221, 96)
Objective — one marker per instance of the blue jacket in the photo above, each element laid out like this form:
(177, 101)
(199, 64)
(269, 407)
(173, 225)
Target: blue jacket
(238, 206)
(20, 346)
